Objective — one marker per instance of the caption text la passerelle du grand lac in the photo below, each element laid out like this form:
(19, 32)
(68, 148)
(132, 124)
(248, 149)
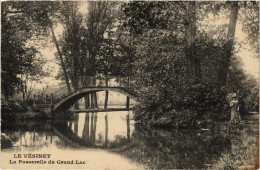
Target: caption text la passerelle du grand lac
(44, 159)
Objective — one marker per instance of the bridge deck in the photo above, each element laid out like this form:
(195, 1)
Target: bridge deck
(71, 98)
(101, 110)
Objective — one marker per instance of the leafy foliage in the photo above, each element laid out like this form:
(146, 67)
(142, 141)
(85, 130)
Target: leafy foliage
(16, 55)
(246, 86)
(182, 65)
(172, 96)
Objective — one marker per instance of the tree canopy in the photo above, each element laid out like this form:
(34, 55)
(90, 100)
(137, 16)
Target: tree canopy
(182, 55)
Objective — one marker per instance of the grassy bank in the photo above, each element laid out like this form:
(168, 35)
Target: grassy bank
(29, 114)
(244, 153)
(223, 146)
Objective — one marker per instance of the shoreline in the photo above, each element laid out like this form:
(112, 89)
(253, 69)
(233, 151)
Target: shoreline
(28, 115)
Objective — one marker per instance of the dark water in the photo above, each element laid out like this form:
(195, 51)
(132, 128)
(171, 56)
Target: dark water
(116, 132)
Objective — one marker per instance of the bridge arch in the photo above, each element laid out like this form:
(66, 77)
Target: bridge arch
(70, 99)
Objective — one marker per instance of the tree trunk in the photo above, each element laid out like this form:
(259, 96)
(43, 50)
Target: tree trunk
(61, 60)
(127, 102)
(106, 99)
(76, 105)
(95, 100)
(191, 33)
(230, 42)
(22, 86)
(87, 103)
(25, 90)
(92, 100)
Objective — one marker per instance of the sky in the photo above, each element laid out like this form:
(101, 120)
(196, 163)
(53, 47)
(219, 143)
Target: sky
(249, 58)
(250, 62)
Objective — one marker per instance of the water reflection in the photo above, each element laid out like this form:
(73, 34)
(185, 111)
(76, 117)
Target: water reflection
(116, 131)
(178, 149)
(30, 135)
(98, 129)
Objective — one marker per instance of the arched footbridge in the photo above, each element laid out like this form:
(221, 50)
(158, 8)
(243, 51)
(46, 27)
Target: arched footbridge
(70, 99)
(56, 103)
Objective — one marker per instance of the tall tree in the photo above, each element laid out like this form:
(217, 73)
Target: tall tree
(46, 15)
(191, 33)
(31, 76)
(16, 30)
(230, 40)
(249, 17)
(99, 18)
(72, 43)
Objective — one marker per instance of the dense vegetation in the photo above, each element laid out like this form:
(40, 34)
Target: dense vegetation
(183, 65)
(184, 73)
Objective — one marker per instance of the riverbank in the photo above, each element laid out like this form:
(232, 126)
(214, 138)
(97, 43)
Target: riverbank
(29, 114)
(223, 146)
(245, 145)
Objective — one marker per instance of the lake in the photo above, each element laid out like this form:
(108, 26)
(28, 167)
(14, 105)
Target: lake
(112, 140)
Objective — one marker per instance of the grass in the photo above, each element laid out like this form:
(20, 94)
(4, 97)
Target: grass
(244, 152)
(225, 146)
(29, 114)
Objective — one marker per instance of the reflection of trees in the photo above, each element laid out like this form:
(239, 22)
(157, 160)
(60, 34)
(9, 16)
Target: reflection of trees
(106, 130)
(85, 134)
(33, 138)
(100, 139)
(14, 136)
(162, 149)
(76, 124)
(119, 141)
(28, 133)
(89, 132)
(128, 127)
(93, 128)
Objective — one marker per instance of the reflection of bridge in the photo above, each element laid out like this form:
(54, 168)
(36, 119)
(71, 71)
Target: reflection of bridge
(56, 103)
(85, 132)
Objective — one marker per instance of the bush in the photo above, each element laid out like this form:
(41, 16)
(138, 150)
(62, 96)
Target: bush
(6, 142)
(5, 108)
(29, 102)
(35, 109)
(200, 104)
(12, 106)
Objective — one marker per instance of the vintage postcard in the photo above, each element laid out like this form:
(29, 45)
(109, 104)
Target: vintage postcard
(129, 85)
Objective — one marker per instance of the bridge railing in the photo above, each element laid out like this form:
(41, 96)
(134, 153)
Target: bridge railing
(43, 99)
(108, 81)
(88, 81)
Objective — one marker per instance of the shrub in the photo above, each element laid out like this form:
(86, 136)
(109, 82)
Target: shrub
(29, 102)
(200, 104)
(12, 106)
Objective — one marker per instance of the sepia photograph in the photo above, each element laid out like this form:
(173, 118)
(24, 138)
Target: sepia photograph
(129, 85)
